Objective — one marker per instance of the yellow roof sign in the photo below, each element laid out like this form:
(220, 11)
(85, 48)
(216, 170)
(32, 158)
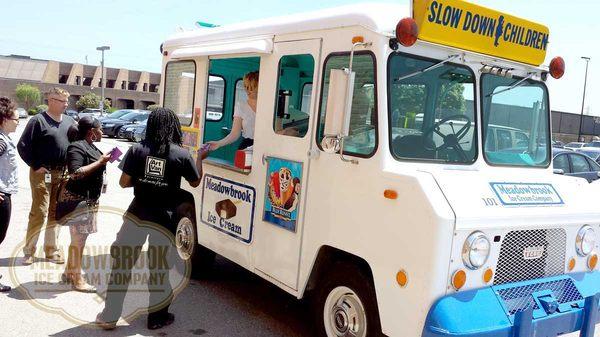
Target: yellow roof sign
(464, 25)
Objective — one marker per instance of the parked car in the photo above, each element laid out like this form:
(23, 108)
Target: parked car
(22, 113)
(73, 114)
(592, 144)
(96, 113)
(573, 145)
(592, 152)
(558, 143)
(111, 126)
(129, 131)
(117, 114)
(139, 133)
(575, 164)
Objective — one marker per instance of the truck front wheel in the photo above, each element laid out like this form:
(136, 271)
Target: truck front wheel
(344, 305)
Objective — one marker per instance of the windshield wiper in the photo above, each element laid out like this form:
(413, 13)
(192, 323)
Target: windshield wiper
(518, 83)
(431, 67)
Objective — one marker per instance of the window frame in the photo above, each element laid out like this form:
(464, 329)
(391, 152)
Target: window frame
(224, 98)
(548, 124)
(475, 112)
(375, 100)
(194, 86)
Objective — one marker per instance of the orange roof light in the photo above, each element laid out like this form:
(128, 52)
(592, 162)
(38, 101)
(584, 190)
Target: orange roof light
(358, 39)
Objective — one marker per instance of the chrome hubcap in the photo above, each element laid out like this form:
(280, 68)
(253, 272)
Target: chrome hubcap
(344, 314)
(184, 238)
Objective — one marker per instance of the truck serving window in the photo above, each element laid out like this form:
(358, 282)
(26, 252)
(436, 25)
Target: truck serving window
(362, 139)
(515, 122)
(432, 113)
(179, 89)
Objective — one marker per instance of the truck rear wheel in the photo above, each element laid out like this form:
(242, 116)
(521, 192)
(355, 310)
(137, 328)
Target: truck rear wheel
(186, 241)
(344, 305)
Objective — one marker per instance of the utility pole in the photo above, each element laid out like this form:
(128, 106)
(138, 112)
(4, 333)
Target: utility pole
(102, 79)
(587, 62)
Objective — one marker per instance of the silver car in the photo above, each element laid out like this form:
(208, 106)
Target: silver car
(22, 113)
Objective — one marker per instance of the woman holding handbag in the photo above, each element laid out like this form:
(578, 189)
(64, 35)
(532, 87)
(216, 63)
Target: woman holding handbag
(77, 204)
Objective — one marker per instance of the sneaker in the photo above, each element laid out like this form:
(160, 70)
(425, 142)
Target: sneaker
(56, 258)
(100, 322)
(27, 260)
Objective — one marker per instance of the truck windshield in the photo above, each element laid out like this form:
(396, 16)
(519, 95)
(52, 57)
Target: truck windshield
(431, 113)
(515, 122)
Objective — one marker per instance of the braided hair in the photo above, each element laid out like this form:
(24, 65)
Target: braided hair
(162, 129)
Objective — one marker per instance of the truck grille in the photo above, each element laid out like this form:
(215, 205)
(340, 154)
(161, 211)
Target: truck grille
(520, 298)
(515, 264)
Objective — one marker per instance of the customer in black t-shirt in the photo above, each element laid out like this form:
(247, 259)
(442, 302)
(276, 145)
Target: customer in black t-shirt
(78, 200)
(43, 147)
(154, 169)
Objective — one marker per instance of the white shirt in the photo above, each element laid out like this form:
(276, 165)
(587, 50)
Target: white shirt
(245, 112)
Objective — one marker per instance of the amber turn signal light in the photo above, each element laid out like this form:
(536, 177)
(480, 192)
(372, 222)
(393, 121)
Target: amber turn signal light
(459, 279)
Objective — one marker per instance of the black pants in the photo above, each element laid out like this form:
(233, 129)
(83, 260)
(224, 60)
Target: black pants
(5, 208)
(133, 234)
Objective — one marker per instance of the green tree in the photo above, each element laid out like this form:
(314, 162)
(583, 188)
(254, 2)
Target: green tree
(28, 95)
(153, 107)
(91, 101)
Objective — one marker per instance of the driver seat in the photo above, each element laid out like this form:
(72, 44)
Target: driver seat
(413, 146)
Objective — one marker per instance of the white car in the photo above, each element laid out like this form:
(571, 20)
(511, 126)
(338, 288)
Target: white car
(22, 113)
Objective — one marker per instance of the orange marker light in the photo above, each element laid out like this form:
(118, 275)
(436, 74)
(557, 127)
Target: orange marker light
(592, 261)
(358, 39)
(402, 278)
(390, 194)
(459, 279)
(488, 275)
(572, 264)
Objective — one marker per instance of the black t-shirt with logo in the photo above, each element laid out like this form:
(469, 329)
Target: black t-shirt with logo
(157, 179)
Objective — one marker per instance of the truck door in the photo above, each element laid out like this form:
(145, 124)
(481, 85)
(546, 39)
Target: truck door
(282, 142)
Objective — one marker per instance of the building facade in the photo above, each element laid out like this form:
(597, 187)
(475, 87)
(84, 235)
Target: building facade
(126, 89)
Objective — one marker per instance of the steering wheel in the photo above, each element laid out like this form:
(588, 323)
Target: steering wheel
(451, 140)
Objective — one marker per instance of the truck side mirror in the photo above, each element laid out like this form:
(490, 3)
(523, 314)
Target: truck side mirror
(339, 103)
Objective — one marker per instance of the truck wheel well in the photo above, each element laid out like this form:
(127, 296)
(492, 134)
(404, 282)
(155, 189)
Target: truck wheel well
(327, 258)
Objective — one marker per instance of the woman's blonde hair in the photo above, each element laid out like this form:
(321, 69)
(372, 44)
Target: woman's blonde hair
(251, 81)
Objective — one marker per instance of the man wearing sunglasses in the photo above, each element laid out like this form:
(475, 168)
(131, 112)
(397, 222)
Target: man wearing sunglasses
(43, 147)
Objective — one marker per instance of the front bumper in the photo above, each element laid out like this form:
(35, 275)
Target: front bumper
(540, 308)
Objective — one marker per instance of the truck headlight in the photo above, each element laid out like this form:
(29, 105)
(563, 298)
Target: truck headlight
(585, 241)
(476, 250)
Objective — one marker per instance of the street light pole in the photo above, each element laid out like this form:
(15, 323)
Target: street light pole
(102, 77)
(587, 62)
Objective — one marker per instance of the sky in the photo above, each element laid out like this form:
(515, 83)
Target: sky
(70, 31)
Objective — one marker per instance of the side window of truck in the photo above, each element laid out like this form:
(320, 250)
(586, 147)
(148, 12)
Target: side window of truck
(179, 89)
(215, 101)
(292, 106)
(362, 139)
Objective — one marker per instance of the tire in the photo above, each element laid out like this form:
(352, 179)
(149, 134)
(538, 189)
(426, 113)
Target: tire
(344, 304)
(186, 241)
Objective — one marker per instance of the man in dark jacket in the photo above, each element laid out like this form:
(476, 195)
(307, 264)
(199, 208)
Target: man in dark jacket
(43, 147)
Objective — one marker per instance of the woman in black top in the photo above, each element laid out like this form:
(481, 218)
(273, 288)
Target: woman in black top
(86, 165)
(154, 169)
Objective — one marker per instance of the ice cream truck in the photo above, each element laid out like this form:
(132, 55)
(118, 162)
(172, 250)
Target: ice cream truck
(415, 195)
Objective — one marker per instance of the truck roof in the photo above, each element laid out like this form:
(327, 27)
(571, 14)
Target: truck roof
(378, 17)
